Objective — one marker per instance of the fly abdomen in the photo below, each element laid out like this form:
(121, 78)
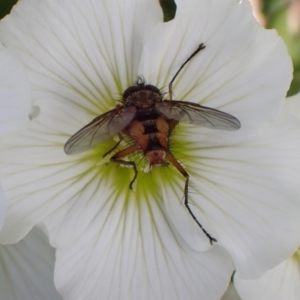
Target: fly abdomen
(156, 125)
(152, 141)
(150, 134)
(150, 126)
(156, 149)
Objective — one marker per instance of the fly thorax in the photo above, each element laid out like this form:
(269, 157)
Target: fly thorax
(143, 99)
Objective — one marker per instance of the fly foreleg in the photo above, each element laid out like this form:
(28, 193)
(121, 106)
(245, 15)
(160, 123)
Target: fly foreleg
(125, 152)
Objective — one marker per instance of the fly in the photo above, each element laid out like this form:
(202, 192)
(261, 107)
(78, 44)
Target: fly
(148, 120)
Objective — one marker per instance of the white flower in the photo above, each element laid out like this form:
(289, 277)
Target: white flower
(27, 269)
(231, 293)
(14, 94)
(113, 243)
(15, 102)
(283, 281)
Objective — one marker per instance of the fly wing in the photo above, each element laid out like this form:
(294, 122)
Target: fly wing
(193, 113)
(101, 128)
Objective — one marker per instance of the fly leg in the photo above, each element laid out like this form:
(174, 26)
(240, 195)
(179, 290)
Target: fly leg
(115, 146)
(177, 165)
(186, 203)
(200, 47)
(125, 152)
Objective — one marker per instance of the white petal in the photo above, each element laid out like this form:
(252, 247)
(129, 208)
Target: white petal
(282, 282)
(293, 105)
(135, 255)
(14, 94)
(27, 269)
(2, 207)
(231, 293)
(244, 70)
(82, 53)
(246, 195)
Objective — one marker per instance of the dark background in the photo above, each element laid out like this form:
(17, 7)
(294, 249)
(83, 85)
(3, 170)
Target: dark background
(5, 7)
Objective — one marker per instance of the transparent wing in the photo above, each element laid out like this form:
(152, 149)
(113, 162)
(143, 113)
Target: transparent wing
(101, 128)
(194, 113)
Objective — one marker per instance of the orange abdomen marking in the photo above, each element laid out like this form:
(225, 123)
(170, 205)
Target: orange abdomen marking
(143, 141)
(136, 130)
(162, 126)
(162, 139)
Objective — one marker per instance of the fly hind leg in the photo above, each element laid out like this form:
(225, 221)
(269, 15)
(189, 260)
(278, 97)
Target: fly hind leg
(186, 203)
(178, 166)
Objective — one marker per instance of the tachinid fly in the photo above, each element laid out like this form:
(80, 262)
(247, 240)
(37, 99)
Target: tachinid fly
(148, 119)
